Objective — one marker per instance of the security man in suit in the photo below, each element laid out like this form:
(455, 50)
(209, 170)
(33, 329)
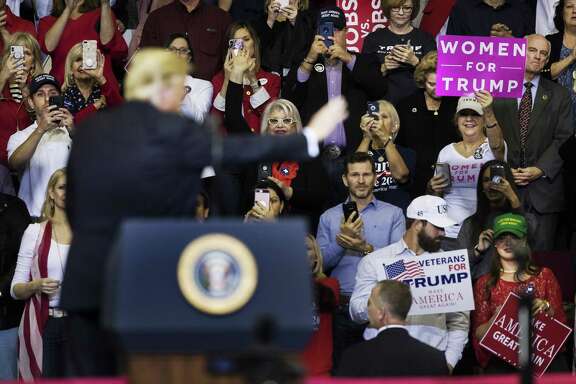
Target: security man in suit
(144, 160)
(535, 126)
(393, 352)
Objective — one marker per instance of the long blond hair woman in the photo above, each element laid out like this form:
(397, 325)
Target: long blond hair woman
(37, 279)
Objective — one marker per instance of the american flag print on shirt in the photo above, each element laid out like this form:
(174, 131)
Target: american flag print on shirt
(400, 270)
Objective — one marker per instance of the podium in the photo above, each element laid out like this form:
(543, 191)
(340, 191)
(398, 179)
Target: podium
(179, 293)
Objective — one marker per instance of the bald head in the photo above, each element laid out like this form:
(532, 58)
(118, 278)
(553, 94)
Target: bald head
(538, 52)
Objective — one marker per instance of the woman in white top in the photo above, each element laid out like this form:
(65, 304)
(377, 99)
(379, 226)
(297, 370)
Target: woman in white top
(37, 279)
(482, 141)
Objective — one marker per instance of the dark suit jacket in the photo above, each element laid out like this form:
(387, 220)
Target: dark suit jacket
(363, 83)
(134, 161)
(550, 126)
(392, 353)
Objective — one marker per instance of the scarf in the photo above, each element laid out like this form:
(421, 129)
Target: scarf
(285, 171)
(35, 312)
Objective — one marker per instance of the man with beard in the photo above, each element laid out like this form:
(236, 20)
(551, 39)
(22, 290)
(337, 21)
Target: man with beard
(344, 240)
(427, 217)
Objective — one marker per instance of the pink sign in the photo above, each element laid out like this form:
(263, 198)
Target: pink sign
(469, 63)
(362, 18)
(502, 337)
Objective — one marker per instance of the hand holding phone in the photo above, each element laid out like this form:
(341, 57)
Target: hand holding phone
(235, 46)
(326, 30)
(349, 208)
(497, 173)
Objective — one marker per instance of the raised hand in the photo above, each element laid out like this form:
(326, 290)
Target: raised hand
(325, 120)
(98, 72)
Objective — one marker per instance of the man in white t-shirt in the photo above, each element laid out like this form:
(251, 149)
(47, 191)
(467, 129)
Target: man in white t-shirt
(43, 147)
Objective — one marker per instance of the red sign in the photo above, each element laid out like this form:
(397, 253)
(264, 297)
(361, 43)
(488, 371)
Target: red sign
(548, 336)
(362, 18)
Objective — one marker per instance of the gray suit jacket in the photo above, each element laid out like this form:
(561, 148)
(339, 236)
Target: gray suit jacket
(550, 126)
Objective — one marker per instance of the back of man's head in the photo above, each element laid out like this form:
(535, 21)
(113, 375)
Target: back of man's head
(394, 298)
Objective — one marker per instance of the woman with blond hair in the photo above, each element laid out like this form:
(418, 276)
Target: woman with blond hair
(304, 183)
(15, 75)
(86, 91)
(37, 279)
(394, 164)
(317, 356)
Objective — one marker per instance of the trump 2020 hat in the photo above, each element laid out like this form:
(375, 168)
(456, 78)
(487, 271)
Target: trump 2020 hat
(469, 102)
(334, 15)
(510, 223)
(433, 209)
(38, 81)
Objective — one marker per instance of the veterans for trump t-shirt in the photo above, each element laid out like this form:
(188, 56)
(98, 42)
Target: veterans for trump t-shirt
(464, 171)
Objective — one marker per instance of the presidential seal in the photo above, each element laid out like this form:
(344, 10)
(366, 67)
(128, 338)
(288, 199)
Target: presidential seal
(217, 274)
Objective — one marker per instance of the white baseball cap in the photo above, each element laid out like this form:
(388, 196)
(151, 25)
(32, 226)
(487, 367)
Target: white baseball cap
(433, 209)
(469, 102)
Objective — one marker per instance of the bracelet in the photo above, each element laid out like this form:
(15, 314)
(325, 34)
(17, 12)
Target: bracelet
(492, 125)
(309, 61)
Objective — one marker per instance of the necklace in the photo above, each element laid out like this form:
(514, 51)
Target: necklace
(380, 154)
(507, 271)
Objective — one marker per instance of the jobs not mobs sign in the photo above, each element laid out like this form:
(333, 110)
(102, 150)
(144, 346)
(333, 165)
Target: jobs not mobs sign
(467, 64)
(439, 282)
(502, 338)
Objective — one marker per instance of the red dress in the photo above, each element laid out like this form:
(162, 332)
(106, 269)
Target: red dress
(546, 288)
(14, 118)
(17, 24)
(252, 115)
(83, 28)
(317, 356)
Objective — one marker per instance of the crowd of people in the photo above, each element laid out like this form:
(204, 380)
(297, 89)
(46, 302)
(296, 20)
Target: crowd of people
(113, 109)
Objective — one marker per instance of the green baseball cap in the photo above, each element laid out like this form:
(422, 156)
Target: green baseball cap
(510, 223)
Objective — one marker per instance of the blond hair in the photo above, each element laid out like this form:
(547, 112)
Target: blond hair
(149, 66)
(389, 108)
(27, 41)
(285, 106)
(317, 272)
(48, 208)
(426, 66)
(73, 54)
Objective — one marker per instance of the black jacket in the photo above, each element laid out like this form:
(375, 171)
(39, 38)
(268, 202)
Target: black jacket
(310, 185)
(392, 353)
(14, 220)
(363, 83)
(134, 161)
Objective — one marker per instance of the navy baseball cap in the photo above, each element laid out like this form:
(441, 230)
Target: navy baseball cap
(38, 81)
(334, 15)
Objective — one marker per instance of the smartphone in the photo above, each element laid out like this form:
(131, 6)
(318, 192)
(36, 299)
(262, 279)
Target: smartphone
(374, 109)
(236, 45)
(89, 54)
(443, 169)
(349, 208)
(264, 171)
(17, 53)
(283, 3)
(326, 30)
(262, 196)
(58, 101)
(497, 173)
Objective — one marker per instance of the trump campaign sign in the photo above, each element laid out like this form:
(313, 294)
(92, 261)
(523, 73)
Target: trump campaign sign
(439, 282)
(502, 338)
(467, 64)
(362, 18)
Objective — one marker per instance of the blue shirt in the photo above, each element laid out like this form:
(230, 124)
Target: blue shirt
(383, 224)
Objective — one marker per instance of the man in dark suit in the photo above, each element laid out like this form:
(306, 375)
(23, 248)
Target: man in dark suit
(327, 71)
(535, 126)
(393, 352)
(143, 160)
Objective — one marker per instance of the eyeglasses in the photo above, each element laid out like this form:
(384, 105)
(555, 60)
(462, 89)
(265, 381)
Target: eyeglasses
(405, 9)
(180, 51)
(274, 122)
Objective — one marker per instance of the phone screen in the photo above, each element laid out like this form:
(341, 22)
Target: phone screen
(262, 196)
(326, 30)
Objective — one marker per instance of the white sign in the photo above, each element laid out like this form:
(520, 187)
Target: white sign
(439, 282)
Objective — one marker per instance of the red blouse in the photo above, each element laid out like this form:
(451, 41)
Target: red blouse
(269, 81)
(546, 287)
(83, 28)
(14, 118)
